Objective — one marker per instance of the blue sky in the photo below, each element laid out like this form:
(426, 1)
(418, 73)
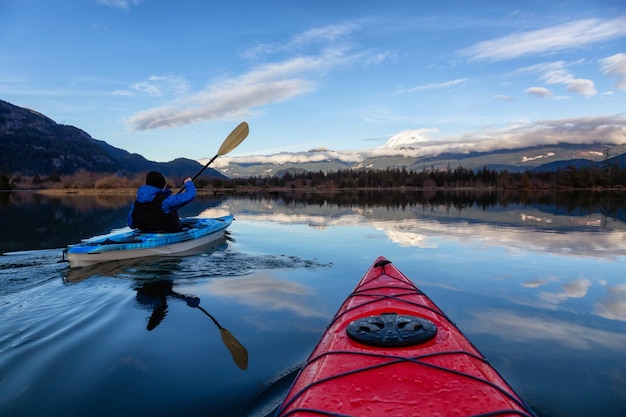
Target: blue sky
(170, 79)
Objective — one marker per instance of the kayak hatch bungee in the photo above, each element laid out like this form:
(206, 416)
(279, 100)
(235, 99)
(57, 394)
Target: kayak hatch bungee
(390, 351)
(129, 244)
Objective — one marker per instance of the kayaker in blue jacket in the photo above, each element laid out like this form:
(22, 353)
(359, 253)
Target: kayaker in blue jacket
(156, 208)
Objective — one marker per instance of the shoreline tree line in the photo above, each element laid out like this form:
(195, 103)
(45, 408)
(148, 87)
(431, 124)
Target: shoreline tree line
(460, 177)
(571, 177)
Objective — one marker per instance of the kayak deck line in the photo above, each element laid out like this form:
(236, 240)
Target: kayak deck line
(395, 375)
(396, 360)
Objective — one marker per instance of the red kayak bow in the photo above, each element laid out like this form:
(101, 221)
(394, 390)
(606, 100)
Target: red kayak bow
(390, 351)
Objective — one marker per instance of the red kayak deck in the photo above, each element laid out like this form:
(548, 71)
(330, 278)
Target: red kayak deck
(390, 351)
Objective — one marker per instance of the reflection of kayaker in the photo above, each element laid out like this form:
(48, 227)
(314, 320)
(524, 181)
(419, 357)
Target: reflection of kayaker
(155, 294)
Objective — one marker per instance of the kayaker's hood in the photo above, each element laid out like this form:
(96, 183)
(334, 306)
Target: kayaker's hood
(146, 193)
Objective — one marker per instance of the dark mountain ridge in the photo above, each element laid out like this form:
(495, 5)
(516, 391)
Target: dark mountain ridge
(31, 143)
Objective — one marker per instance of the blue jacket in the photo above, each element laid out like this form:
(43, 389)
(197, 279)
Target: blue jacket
(147, 193)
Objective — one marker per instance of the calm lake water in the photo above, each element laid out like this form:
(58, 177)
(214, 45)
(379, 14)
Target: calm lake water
(537, 283)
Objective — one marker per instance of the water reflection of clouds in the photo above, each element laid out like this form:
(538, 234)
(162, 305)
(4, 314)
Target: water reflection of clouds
(215, 212)
(516, 240)
(575, 289)
(594, 220)
(264, 292)
(566, 236)
(524, 329)
(613, 307)
(535, 283)
(408, 238)
(419, 232)
(538, 219)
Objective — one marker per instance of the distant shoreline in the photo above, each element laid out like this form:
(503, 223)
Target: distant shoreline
(84, 191)
(246, 190)
(242, 190)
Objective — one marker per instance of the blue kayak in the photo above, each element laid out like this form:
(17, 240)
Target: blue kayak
(127, 243)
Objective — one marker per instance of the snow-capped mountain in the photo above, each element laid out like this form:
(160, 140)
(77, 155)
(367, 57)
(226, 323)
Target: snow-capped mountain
(513, 160)
(409, 139)
(517, 148)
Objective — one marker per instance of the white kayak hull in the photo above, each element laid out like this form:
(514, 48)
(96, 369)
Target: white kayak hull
(129, 244)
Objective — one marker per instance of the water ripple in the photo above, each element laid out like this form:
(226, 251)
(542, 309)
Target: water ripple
(16, 269)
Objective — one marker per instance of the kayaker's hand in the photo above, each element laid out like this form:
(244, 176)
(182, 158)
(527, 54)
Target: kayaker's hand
(187, 180)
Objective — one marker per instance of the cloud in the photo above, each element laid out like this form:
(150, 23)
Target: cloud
(231, 100)
(581, 130)
(122, 93)
(235, 97)
(615, 66)
(119, 4)
(330, 34)
(433, 86)
(381, 57)
(286, 158)
(572, 35)
(556, 73)
(540, 92)
(238, 96)
(575, 85)
(503, 97)
(157, 86)
(419, 142)
(582, 86)
(540, 68)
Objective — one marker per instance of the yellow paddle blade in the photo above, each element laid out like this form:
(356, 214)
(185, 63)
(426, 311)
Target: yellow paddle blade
(234, 139)
(237, 350)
